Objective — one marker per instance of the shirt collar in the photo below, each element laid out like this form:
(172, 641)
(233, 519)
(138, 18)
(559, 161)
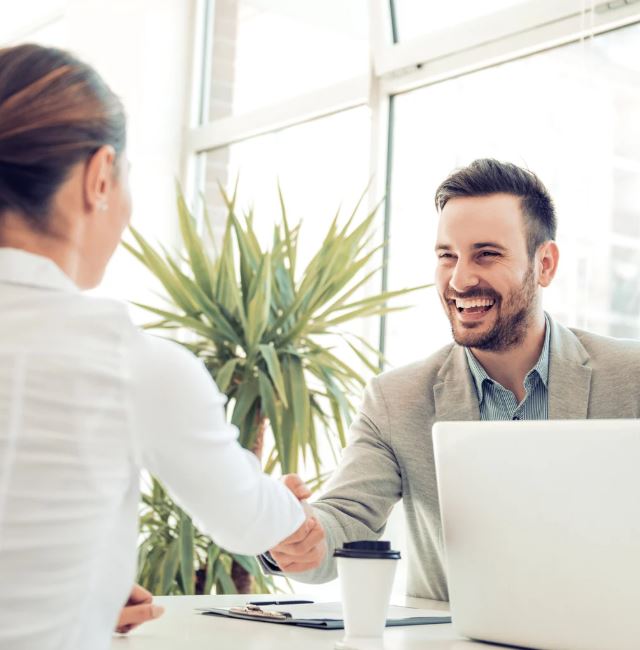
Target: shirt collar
(20, 267)
(541, 368)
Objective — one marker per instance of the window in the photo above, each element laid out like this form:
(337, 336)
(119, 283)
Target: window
(416, 18)
(567, 115)
(268, 51)
(509, 79)
(322, 167)
(319, 164)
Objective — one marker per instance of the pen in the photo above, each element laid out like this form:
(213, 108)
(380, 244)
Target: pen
(280, 602)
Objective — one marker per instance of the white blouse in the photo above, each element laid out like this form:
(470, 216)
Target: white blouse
(86, 400)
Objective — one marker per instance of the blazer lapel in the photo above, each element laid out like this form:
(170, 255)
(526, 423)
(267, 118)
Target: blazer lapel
(455, 395)
(569, 376)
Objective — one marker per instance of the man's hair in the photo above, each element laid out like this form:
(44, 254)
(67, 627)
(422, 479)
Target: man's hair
(487, 176)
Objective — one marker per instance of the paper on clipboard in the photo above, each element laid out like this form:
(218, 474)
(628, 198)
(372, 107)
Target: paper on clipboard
(329, 615)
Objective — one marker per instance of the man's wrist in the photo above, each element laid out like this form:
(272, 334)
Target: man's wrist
(268, 563)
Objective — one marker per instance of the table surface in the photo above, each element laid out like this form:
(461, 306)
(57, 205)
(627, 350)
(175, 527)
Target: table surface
(183, 628)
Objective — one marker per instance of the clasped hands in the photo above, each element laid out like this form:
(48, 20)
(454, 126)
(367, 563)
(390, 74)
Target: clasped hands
(302, 550)
(305, 548)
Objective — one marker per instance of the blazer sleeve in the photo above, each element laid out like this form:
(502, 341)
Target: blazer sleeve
(363, 490)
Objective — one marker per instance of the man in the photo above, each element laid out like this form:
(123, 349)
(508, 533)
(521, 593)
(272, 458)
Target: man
(495, 253)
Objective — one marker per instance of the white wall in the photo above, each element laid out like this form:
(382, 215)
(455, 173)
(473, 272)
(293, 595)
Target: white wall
(143, 49)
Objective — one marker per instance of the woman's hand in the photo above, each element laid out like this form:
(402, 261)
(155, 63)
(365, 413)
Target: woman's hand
(138, 610)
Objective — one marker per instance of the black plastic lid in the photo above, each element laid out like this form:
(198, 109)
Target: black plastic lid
(367, 550)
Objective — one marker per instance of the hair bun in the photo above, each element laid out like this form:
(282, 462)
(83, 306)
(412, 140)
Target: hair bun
(54, 112)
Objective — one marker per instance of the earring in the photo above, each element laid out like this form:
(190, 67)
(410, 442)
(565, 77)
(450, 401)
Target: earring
(102, 205)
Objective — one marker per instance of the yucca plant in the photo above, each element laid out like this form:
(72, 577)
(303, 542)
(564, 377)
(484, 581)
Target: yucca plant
(264, 331)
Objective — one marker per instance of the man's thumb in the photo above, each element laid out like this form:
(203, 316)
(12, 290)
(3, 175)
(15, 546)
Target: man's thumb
(297, 486)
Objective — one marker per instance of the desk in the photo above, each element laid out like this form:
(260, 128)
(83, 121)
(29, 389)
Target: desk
(181, 628)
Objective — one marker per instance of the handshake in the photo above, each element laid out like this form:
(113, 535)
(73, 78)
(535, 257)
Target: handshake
(306, 548)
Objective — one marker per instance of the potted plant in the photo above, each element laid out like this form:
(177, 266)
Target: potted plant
(261, 328)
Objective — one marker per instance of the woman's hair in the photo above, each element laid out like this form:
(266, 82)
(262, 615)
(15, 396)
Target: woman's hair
(55, 112)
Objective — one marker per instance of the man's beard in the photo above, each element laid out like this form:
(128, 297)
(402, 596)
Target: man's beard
(512, 320)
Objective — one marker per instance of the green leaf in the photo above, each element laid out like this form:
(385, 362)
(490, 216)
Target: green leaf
(362, 312)
(185, 321)
(272, 461)
(270, 356)
(227, 289)
(268, 401)
(223, 578)
(381, 298)
(290, 239)
(143, 554)
(193, 243)
(299, 402)
(213, 552)
(169, 567)
(248, 563)
(372, 367)
(186, 552)
(154, 262)
(290, 446)
(259, 303)
(225, 374)
(246, 395)
(155, 562)
(249, 256)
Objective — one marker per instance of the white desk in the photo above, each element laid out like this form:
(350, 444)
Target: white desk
(181, 628)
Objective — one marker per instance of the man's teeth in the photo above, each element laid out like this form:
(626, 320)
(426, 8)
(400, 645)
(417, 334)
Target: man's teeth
(474, 302)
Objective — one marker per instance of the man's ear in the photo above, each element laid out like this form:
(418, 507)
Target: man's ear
(547, 261)
(99, 178)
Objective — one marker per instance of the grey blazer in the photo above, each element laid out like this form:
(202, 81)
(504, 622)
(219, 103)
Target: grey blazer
(390, 453)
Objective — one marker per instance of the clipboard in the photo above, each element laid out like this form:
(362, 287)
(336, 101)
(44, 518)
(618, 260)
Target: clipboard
(321, 616)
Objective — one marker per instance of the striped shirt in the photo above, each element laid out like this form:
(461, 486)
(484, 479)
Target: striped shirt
(499, 403)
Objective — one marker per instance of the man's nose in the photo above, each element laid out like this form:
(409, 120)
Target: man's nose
(463, 277)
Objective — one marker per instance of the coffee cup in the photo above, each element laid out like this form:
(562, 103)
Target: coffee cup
(366, 570)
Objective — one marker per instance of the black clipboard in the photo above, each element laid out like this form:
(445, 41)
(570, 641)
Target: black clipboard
(250, 612)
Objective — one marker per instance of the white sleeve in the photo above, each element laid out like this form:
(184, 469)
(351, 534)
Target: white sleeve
(184, 440)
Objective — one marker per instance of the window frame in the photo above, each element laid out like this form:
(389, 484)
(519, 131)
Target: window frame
(398, 67)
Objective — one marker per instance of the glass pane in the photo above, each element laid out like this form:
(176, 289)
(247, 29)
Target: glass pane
(320, 165)
(265, 51)
(417, 17)
(569, 115)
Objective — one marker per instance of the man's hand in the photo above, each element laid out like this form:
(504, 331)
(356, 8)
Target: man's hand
(297, 486)
(138, 610)
(305, 549)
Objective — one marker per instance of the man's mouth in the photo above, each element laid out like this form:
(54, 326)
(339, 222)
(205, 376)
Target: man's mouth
(473, 305)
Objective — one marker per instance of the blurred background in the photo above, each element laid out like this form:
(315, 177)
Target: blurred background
(327, 95)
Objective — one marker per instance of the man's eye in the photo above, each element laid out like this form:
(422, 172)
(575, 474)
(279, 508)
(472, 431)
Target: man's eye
(489, 254)
(445, 256)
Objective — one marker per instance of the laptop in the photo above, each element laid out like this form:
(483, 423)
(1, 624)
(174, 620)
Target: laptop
(542, 531)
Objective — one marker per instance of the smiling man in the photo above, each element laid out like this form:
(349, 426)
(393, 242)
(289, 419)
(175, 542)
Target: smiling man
(495, 251)
(509, 360)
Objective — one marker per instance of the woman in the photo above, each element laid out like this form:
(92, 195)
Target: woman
(86, 399)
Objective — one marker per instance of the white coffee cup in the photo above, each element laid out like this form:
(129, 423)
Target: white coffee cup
(366, 571)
